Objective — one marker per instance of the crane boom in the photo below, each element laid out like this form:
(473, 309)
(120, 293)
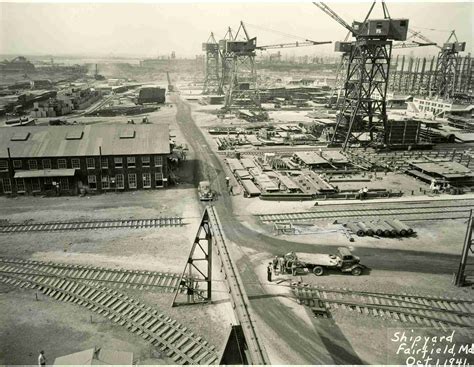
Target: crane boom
(422, 37)
(413, 44)
(334, 16)
(293, 44)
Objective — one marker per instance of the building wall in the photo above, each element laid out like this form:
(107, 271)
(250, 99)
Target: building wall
(90, 174)
(433, 107)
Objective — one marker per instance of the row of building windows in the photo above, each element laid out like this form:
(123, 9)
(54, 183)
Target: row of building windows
(105, 184)
(76, 163)
(432, 103)
(6, 184)
(119, 181)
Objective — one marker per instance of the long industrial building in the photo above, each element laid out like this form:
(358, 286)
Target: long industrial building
(93, 158)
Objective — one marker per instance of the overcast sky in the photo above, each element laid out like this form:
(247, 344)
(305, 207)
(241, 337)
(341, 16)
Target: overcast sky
(149, 29)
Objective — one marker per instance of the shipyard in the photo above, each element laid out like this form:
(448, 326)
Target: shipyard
(284, 184)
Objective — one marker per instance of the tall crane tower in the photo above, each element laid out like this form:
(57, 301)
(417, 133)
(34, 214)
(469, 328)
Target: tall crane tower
(362, 117)
(226, 60)
(212, 81)
(337, 95)
(242, 88)
(339, 84)
(447, 67)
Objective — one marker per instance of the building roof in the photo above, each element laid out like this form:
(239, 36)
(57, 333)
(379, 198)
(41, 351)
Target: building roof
(93, 356)
(75, 141)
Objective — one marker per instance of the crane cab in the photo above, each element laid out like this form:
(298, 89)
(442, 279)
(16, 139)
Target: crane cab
(393, 29)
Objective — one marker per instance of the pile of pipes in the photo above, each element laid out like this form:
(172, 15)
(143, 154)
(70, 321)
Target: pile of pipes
(381, 228)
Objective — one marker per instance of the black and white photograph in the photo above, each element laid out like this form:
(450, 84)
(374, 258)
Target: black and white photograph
(236, 183)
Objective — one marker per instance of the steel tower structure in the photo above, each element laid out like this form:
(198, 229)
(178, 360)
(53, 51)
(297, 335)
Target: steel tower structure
(448, 67)
(242, 88)
(212, 81)
(362, 117)
(226, 60)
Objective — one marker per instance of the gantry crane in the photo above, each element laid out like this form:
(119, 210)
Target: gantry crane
(362, 117)
(226, 60)
(242, 88)
(447, 67)
(212, 81)
(345, 47)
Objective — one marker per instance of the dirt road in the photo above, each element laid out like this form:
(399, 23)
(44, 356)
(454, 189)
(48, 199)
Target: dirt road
(285, 333)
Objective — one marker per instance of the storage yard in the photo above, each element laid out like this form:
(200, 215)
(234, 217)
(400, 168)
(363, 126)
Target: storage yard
(245, 205)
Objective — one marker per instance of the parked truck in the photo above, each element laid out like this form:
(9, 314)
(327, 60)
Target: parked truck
(343, 261)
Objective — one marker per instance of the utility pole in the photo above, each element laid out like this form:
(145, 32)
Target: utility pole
(460, 279)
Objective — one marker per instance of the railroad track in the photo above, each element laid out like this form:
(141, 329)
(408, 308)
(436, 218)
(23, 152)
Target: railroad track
(117, 278)
(94, 224)
(407, 212)
(431, 311)
(179, 343)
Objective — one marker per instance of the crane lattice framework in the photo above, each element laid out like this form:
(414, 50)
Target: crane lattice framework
(363, 110)
(212, 81)
(339, 84)
(227, 60)
(239, 57)
(448, 67)
(362, 117)
(345, 48)
(242, 88)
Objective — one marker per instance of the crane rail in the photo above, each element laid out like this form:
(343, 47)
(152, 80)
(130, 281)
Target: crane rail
(405, 211)
(238, 296)
(425, 310)
(91, 224)
(177, 341)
